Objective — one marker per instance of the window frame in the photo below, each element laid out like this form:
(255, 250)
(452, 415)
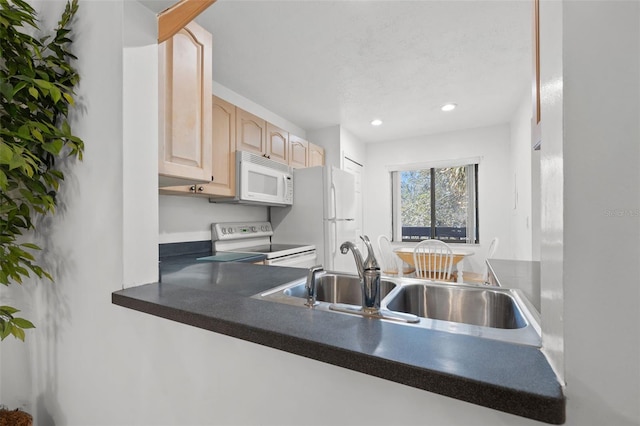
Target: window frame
(473, 222)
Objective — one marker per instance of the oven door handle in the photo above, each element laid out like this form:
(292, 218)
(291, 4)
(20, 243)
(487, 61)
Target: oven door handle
(307, 255)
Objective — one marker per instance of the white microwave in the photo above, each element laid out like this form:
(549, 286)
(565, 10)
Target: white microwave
(261, 181)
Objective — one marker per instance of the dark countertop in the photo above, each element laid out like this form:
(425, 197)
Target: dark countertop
(519, 274)
(215, 296)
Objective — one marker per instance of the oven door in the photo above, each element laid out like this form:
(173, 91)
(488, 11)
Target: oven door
(299, 260)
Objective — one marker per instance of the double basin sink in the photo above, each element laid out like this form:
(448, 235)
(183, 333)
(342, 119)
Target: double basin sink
(483, 311)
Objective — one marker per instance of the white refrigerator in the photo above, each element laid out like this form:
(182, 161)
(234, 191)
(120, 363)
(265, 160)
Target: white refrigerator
(323, 213)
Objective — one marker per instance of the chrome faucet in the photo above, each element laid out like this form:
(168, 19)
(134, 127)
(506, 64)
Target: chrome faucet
(369, 272)
(310, 285)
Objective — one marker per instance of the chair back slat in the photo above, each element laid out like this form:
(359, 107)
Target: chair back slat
(433, 260)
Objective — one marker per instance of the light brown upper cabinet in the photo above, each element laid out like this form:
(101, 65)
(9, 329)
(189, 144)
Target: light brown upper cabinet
(223, 178)
(277, 144)
(316, 155)
(256, 135)
(298, 151)
(251, 132)
(185, 79)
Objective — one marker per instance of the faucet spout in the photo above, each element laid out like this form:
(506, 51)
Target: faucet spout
(344, 249)
(369, 272)
(310, 285)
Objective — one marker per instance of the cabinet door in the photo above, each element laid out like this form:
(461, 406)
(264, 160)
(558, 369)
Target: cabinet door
(277, 144)
(316, 155)
(251, 132)
(298, 151)
(185, 106)
(223, 178)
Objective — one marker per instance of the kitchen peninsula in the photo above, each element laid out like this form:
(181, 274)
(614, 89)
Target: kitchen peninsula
(217, 296)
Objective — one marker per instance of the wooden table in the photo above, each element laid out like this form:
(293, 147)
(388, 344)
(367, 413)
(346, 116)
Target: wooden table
(406, 254)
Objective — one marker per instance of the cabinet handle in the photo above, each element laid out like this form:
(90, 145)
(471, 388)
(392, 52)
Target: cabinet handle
(192, 188)
(200, 188)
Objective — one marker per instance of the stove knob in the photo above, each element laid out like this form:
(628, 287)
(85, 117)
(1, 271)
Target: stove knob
(254, 229)
(230, 230)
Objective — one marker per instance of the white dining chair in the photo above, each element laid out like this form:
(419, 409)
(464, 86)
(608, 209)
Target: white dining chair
(390, 262)
(482, 277)
(433, 260)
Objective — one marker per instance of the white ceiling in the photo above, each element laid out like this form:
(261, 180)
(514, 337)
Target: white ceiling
(322, 63)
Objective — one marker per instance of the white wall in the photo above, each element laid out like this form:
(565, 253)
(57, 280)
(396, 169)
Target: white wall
(140, 136)
(593, 87)
(337, 143)
(190, 218)
(256, 109)
(352, 147)
(62, 370)
(490, 144)
(329, 139)
(552, 184)
(521, 174)
(536, 205)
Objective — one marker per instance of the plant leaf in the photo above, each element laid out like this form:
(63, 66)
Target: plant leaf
(36, 134)
(43, 84)
(9, 309)
(31, 246)
(23, 323)
(3, 181)
(54, 147)
(6, 329)
(55, 94)
(17, 332)
(69, 98)
(6, 153)
(37, 82)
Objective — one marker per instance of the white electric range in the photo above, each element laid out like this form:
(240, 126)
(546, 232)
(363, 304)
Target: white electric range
(255, 237)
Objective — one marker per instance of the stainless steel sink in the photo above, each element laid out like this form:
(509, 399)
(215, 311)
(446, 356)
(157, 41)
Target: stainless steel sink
(331, 288)
(482, 311)
(476, 306)
(337, 288)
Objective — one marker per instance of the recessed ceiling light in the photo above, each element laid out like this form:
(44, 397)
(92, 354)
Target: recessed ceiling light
(376, 122)
(448, 107)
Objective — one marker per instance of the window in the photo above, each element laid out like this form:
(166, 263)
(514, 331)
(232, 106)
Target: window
(436, 203)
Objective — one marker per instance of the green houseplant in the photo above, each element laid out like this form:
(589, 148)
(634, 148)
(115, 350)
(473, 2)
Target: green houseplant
(37, 84)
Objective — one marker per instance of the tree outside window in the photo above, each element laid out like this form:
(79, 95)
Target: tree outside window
(436, 203)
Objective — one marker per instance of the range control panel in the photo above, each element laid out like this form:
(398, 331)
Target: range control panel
(237, 230)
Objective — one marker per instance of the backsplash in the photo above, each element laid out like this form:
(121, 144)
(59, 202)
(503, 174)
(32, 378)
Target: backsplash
(189, 218)
(200, 248)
